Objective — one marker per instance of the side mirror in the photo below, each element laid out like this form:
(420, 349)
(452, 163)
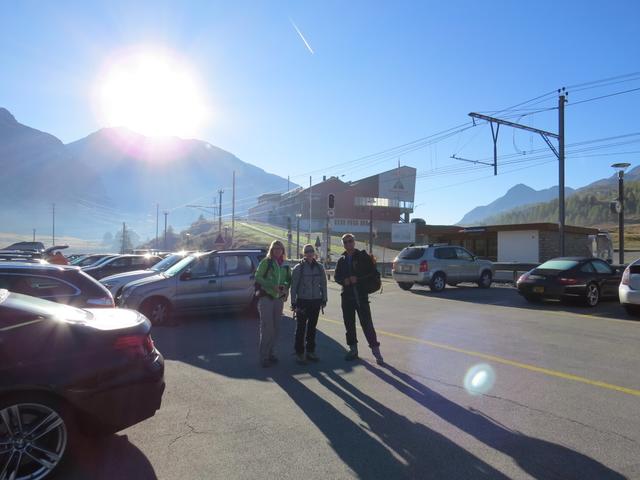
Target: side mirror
(186, 275)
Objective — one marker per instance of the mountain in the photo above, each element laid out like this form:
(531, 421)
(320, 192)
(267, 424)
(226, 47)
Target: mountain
(115, 175)
(516, 196)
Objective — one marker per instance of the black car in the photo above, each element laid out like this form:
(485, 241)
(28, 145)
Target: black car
(587, 279)
(58, 283)
(121, 264)
(90, 260)
(67, 372)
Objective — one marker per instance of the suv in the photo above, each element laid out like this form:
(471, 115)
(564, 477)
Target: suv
(121, 264)
(439, 265)
(217, 280)
(62, 284)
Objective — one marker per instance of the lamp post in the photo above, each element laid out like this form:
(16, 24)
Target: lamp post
(298, 217)
(620, 167)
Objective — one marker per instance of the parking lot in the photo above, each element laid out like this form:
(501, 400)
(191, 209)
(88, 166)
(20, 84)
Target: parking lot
(561, 382)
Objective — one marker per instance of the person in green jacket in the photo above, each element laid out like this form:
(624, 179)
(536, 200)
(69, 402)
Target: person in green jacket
(274, 278)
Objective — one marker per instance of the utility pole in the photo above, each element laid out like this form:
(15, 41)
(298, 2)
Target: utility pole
(298, 217)
(371, 230)
(220, 192)
(165, 230)
(53, 226)
(289, 237)
(559, 153)
(157, 223)
(34, 235)
(310, 211)
(124, 236)
(233, 209)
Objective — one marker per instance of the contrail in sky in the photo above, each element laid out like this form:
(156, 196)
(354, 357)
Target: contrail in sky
(302, 36)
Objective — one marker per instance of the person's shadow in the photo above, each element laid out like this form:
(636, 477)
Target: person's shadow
(381, 443)
(539, 458)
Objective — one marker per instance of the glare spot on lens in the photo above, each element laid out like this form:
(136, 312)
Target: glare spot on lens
(479, 379)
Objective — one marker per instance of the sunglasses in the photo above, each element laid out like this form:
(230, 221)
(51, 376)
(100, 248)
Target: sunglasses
(309, 251)
(349, 241)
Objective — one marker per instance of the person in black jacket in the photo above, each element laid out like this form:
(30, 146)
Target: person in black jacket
(354, 269)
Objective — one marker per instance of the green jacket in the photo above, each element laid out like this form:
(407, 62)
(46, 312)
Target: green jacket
(277, 275)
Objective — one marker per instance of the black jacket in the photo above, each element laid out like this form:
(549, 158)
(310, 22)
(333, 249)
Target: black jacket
(361, 266)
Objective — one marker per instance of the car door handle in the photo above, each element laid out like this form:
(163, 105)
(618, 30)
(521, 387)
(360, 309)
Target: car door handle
(212, 281)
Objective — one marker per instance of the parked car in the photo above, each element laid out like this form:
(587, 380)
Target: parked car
(629, 289)
(65, 372)
(121, 264)
(439, 265)
(218, 280)
(116, 282)
(61, 284)
(91, 260)
(585, 278)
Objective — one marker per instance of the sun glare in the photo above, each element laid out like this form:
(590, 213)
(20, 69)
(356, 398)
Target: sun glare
(151, 93)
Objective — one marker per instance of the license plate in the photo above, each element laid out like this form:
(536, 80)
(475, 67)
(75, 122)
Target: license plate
(406, 268)
(538, 289)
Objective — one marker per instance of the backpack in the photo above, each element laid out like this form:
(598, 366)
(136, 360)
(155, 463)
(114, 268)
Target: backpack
(373, 282)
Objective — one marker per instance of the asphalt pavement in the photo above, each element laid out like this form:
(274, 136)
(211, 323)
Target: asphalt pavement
(478, 384)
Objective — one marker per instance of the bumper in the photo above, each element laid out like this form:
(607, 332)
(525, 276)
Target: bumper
(123, 402)
(628, 296)
(550, 290)
(423, 277)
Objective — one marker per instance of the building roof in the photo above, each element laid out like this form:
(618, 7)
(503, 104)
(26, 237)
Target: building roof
(548, 227)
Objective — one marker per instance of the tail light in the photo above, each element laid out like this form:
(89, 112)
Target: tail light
(626, 276)
(135, 345)
(424, 266)
(567, 281)
(106, 301)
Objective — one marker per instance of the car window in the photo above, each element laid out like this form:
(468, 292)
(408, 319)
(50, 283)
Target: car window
(463, 254)
(601, 267)
(205, 266)
(411, 253)
(587, 268)
(445, 253)
(167, 263)
(140, 261)
(121, 262)
(558, 265)
(37, 286)
(237, 265)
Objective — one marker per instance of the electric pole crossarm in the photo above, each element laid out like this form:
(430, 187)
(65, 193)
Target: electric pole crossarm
(471, 161)
(553, 149)
(512, 124)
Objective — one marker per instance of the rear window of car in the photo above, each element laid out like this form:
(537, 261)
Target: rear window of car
(411, 253)
(558, 265)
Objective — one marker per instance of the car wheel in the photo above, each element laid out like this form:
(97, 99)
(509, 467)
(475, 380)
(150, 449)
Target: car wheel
(633, 310)
(485, 279)
(405, 285)
(35, 435)
(438, 282)
(158, 311)
(592, 295)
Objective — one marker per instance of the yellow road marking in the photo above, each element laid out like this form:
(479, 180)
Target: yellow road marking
(505, 361)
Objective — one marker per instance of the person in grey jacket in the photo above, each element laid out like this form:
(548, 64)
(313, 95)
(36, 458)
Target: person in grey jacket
(308, 296)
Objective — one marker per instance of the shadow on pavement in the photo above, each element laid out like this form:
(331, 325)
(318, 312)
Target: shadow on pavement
(113, 457)
(507, 296)
(381, 443)
(539, 458)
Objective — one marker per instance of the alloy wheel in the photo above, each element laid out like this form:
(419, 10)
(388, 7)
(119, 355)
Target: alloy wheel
(593, 295)
(33, 440)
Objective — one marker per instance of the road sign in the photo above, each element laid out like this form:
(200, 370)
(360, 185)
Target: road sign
(331, 212)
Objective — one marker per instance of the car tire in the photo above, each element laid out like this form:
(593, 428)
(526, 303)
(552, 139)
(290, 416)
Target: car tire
(438, 282)
(485, 279)
(632, 310)
(592, 295)
(46, 423)
(405, 285)
(157, 310)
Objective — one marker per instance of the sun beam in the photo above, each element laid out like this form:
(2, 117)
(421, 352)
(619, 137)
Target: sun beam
(152, 93)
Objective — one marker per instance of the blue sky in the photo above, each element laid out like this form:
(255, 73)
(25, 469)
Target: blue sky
(382, 74)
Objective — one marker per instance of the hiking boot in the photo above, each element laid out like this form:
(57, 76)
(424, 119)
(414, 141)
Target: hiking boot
(312, 357)
(378, 355)
(352, 354)
(300, 359)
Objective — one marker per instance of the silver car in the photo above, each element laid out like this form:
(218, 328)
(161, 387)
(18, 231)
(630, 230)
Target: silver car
(115, 283)
(212, 281)
(439, 265)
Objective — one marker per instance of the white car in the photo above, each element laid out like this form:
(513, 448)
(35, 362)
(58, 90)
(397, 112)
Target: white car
(629, 289)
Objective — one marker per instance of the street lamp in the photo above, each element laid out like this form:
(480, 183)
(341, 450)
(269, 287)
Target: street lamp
(188, 235)
(298, 217)
(620, 167)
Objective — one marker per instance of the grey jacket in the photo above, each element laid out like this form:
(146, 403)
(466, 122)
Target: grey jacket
(308, 282)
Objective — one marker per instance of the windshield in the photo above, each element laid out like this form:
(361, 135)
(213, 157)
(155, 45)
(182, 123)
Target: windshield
(90, 260)
(167, 263)
(180, 266)
(558, 265)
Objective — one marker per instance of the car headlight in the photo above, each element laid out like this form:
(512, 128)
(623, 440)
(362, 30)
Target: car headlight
(126, 293)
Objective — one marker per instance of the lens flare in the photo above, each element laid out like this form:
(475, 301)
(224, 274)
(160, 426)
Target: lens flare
(479, 379)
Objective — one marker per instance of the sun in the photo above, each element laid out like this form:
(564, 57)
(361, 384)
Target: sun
(151, 92)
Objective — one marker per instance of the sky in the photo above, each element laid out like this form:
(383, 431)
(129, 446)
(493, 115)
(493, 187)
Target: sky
(321, 88)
